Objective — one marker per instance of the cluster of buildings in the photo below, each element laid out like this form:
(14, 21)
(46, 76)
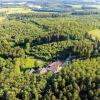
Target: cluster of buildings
(55, 67)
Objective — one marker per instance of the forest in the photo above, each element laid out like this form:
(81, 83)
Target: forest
(33, 40)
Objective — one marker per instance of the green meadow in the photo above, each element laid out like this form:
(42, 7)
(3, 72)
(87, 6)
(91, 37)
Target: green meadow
(95, 33)
(13, 10)
(31, 63)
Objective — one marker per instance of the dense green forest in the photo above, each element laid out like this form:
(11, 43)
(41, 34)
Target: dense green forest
(43, 38)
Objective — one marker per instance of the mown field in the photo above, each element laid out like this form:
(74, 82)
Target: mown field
(1, 19)
(13, 10)
(95, 33)
(23, 64)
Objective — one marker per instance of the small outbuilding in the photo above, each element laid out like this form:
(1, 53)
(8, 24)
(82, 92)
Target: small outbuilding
(31, 71)
(43, 71)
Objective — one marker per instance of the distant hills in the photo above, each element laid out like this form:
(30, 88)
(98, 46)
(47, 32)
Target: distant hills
(44, 3)
(53, 0)
(65, 0)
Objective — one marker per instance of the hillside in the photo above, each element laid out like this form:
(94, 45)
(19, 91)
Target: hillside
(50, 50)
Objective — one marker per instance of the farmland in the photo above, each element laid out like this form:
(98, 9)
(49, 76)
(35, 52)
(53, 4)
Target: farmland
(95, 6)
(14, 10)
(1, 19)
(95, 33)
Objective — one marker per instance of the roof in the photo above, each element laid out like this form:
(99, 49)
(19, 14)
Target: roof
(31, 71)
(43, 71)
(55, 64)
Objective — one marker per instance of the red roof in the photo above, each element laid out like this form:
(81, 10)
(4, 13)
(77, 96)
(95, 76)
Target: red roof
(55, 64)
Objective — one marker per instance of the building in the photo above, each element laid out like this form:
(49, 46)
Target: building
(43, 71)
(55, 66)
(31, 71)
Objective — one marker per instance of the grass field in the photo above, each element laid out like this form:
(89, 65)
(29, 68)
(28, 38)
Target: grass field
(80, 5)
(21, 64)
(75, 5)
(1, 19)
(32, 62)
(95, 33)
(15, 10)
(96, 6)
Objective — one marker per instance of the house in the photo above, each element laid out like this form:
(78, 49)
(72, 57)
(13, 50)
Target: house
(29, 71)
(43, 71)
(55, 66)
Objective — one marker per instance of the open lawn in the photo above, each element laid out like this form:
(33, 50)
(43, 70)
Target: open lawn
(15, 10)
(95, 33)
(1, 19)
(32, 62)
(28, 63)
